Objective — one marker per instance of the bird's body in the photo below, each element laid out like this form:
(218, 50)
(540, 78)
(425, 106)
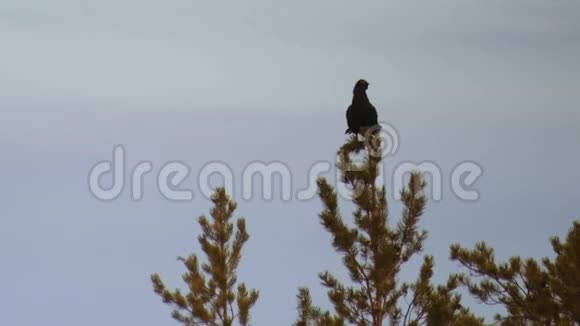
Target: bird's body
(361, 114)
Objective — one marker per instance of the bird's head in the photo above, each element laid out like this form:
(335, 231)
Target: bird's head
(361, 85)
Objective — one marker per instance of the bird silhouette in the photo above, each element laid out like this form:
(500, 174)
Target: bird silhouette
(361, 114)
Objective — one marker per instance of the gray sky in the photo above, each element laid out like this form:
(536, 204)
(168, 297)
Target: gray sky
(493, 82)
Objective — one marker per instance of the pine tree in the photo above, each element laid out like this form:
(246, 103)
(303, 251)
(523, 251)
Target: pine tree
(211, 296)
(564, 273)
(373, 252)
(532, 293)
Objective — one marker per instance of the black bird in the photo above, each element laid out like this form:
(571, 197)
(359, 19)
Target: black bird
(361, 113)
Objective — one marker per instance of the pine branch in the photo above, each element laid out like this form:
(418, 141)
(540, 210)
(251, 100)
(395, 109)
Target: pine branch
(211, 285)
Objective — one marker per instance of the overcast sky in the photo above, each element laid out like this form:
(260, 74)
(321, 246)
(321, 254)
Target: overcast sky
(492, 82)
